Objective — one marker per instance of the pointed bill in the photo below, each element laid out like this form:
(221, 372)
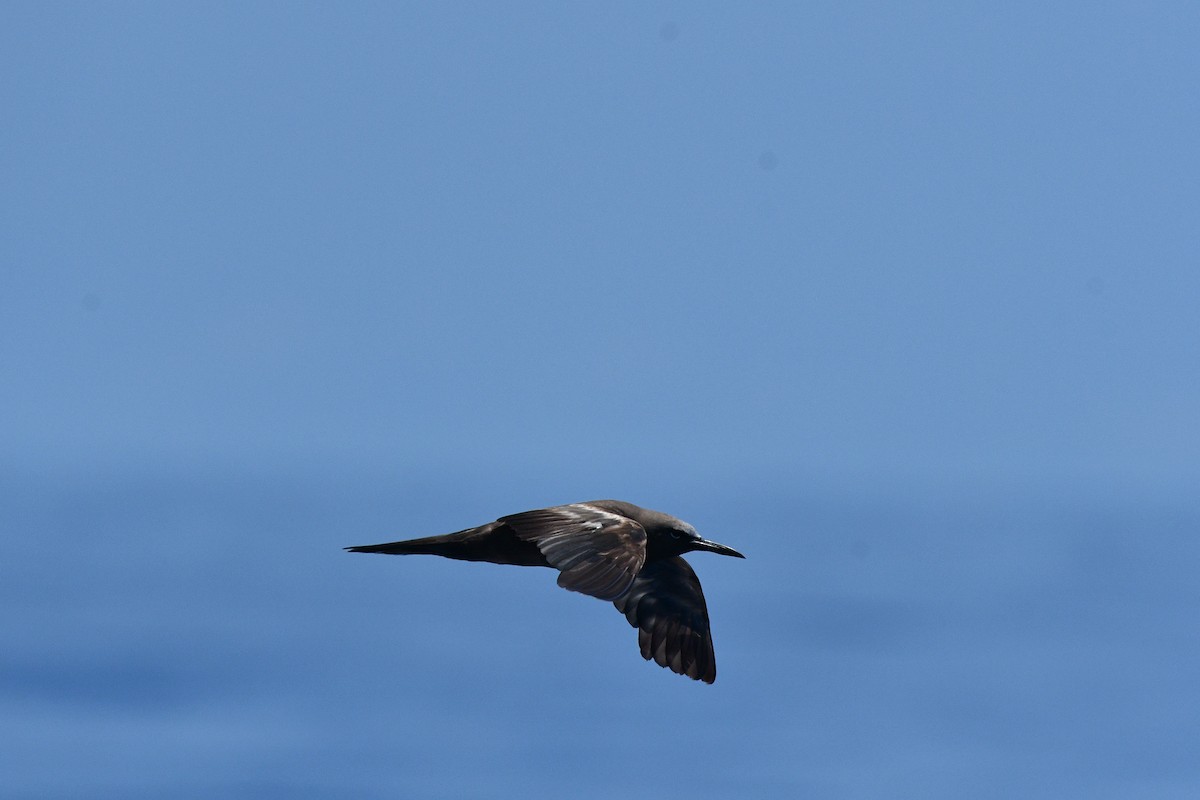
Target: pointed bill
(714, 547)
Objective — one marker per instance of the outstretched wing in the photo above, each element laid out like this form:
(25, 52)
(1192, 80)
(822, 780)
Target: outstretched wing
(598, 552)
(667, 607)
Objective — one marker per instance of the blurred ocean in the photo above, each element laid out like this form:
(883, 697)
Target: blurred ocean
(197, 635)
(898, 299)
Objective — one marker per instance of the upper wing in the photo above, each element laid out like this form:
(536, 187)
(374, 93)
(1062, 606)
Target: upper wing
(667, 607)
(598, 552)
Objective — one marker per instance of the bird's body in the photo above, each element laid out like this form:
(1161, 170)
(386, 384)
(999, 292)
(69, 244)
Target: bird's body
(609, 549)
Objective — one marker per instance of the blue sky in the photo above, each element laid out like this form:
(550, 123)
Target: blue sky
(900, 301)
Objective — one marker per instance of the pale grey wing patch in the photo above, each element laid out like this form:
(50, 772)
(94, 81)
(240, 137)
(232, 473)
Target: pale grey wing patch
(597, 552)
(666, 605)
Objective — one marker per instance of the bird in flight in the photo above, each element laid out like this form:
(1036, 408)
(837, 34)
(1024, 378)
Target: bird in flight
(616, 551)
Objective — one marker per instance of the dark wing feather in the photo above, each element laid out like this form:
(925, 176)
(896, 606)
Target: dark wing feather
(596, 551)
(667, 607)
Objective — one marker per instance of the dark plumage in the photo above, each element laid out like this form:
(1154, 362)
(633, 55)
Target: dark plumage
(609, 549)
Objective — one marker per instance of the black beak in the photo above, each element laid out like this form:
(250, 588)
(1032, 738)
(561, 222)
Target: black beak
(713, 547)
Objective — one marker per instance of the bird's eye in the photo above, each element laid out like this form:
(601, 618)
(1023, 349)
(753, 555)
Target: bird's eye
(675, 534)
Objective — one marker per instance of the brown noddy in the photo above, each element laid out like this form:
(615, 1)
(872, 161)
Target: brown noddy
(609, 549)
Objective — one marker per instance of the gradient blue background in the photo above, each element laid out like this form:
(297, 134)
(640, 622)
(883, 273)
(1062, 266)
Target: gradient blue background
(901, 302)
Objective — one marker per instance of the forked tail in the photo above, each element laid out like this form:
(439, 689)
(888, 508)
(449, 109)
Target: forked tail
(493, 542)
(446, 545)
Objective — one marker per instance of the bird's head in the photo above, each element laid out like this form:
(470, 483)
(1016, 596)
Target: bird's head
(677, 537)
